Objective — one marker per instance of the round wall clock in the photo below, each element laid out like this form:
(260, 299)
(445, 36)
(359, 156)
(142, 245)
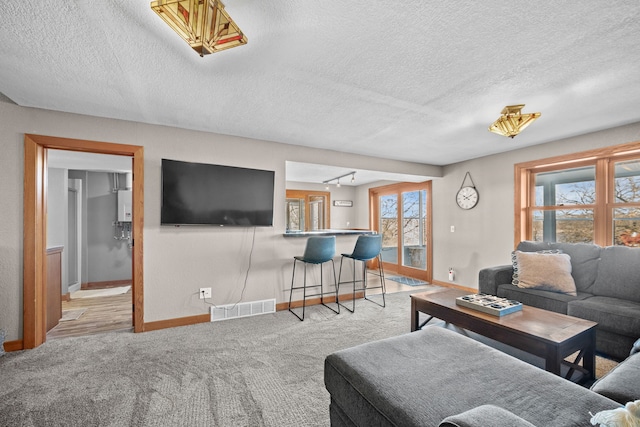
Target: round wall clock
(467, 196)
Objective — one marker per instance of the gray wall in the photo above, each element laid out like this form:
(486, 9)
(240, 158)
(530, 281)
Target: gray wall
(484, 235)
(108, 259)
(84, 269)
(57, 194)
(104, 258)
(178, 261)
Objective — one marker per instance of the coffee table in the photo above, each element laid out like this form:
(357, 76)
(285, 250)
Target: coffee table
(552, 336)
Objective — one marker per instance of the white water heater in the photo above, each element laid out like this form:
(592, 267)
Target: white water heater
(124, 206)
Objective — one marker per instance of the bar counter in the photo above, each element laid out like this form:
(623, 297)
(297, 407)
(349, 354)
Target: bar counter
(327, 232)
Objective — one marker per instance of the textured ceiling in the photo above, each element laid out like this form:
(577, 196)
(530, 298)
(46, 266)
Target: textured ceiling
(412, 80)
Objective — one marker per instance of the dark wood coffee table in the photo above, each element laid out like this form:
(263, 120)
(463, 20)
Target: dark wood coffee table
(552, 336)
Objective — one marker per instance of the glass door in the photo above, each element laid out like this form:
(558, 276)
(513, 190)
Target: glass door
(414, 214)
(401, 214)
(388, 227)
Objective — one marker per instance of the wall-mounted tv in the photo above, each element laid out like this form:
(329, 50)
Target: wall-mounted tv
(208, 194)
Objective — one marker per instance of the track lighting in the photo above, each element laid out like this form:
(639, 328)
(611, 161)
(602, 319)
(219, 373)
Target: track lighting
(337, 179)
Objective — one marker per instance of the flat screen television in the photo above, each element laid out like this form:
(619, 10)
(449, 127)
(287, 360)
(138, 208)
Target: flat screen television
(208, 194)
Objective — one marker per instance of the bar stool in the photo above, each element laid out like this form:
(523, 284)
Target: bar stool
(319, 249)
(367, 248)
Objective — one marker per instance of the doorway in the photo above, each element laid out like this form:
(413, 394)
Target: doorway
(35, 229)
(91, 228)
(401, 213)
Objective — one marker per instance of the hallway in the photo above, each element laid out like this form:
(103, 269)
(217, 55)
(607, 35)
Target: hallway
(102, 314)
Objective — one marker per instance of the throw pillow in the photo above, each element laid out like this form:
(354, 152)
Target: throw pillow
(619, 417)
(545, 271)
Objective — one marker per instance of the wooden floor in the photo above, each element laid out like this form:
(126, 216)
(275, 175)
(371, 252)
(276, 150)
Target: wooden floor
(103, 314)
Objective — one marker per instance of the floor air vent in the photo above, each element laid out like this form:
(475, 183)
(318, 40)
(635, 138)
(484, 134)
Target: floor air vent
(242, 309)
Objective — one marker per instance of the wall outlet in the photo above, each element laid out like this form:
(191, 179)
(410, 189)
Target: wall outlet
(453, 228)
(205, 293)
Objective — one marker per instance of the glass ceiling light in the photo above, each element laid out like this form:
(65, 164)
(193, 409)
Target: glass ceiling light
(512, 121)
(204, 24)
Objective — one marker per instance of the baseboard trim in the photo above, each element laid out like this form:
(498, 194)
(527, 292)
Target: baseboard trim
(66, 297)
(200, 318)
(315, 301)
(172, 323)
(103, 285)
(453, 285)
(16, 345)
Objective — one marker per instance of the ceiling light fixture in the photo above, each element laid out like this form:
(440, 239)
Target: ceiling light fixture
(337, 178)
(204, 24)
(512, 121)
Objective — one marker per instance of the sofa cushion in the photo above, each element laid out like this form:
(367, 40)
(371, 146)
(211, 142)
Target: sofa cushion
(420, 378)
(619, 273)
(613, 344)
(552, 301)
(622, 383)
(585, 258)
(544, 271)
(611, 314)
(485, 415)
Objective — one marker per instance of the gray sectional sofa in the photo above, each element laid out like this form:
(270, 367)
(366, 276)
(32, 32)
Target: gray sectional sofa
(607, 281)
(438, 377)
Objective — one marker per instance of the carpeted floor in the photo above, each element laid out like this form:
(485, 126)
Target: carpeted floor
(255, 371)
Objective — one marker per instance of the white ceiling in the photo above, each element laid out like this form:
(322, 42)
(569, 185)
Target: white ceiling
(315, 173)
(414, 80)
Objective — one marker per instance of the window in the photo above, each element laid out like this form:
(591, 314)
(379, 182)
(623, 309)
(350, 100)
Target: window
(307, 210)
(564, 203)
(401, 213)
(626, 203)
(590, 197)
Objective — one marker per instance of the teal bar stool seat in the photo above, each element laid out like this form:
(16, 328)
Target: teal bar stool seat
(319, 250)
(367, 247)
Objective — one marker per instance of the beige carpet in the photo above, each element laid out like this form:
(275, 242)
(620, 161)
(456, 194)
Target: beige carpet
(253, 371)
(92, 293)
(604, 365)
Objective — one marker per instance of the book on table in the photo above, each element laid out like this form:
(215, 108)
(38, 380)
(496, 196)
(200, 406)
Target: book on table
(489, 304)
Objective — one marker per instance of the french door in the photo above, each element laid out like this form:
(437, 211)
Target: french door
(401, 213)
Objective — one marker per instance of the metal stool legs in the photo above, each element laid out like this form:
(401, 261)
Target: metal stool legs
(364, 282)
(305, 286)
